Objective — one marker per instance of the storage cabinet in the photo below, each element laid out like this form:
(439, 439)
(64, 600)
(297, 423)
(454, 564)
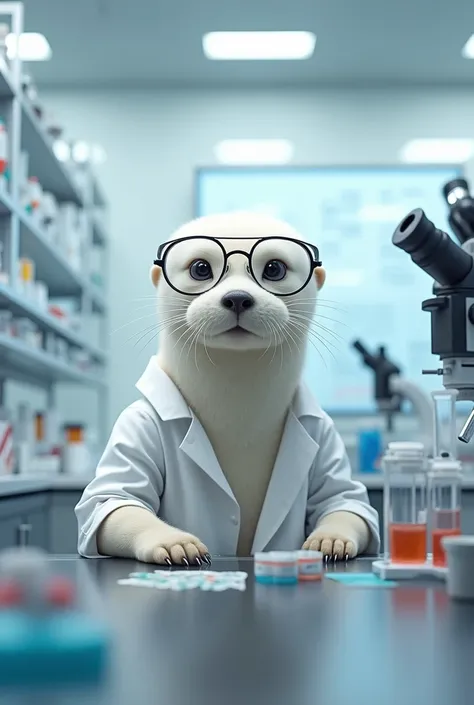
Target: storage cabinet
(62, 521)
(43, 519)
(24, 520)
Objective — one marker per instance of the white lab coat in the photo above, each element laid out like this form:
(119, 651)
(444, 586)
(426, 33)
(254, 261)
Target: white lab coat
(160, 458)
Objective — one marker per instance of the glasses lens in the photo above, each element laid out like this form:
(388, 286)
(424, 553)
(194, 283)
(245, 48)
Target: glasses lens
(281, 266)
(194, 266)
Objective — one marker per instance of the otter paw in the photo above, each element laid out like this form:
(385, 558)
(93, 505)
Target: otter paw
(331, 544)
(172, 546)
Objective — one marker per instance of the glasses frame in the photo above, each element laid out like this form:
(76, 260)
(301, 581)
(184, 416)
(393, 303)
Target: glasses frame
(161, 255)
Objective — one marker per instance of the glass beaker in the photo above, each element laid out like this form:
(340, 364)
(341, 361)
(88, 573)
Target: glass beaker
(405, 503)
(445, 484)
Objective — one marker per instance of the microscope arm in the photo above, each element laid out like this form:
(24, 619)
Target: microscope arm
(422, 407)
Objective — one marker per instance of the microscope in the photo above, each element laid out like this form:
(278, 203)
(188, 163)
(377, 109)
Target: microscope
(452, 305)
(391, 388)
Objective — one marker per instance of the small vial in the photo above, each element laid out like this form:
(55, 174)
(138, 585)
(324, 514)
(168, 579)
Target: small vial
(310, 565)
(276, 568)
(444, 482)
(405, 503)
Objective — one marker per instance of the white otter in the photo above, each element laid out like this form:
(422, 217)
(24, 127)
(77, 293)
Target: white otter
(233, 338)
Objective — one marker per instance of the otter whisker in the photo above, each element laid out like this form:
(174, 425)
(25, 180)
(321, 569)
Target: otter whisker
(302, 319)
(319, 336)
(302, 333)
(274, 334)
(155, 334)
(264, 322)
(319, 315)
(155, 326)
(185, 343)
(135, 320)
(285, 330)
(206, 350)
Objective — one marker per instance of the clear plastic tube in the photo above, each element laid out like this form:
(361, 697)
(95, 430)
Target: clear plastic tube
(444, 426)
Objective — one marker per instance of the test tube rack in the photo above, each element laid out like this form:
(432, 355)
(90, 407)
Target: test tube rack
(386, 570)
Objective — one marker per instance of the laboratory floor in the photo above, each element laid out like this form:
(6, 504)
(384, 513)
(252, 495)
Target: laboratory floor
(308, 644)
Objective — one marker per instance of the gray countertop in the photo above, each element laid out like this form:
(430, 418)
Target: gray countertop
(25, 484)
(302, 645)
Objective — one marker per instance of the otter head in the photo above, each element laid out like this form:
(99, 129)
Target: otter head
(239, 281)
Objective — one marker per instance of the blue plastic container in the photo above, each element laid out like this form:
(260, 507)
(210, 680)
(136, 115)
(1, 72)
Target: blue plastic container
(370, 450)
(61, 648)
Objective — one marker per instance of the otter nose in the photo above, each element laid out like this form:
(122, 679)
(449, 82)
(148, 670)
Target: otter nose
(238, 301)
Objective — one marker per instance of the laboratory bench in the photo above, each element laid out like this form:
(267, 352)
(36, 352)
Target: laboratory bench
(309, 644)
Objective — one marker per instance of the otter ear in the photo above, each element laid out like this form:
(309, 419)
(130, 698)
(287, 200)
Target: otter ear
(155, 274)
(320, 275)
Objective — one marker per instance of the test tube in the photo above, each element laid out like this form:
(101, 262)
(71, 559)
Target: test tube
(444, 423)
(405, 503)
(445, 483)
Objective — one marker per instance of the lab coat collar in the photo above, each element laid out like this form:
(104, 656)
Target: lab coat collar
(162, 393)
(168, 402)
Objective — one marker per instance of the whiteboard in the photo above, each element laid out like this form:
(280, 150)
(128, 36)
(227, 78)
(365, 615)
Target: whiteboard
(373, 290)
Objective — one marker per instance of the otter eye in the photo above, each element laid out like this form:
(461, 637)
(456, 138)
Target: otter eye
(200, 269)
(274, 270)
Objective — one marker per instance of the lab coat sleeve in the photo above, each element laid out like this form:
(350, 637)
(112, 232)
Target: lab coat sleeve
(130, 473)
(332, 489)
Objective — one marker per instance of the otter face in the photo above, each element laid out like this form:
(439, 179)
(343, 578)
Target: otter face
(238, 293)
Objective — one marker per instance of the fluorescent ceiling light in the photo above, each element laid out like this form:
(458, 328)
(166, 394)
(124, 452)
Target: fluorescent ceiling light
(254, 46)
(31, 47)
(62, 151)
(254, 151)
(438, 151)
(468, 48)
(80, 152)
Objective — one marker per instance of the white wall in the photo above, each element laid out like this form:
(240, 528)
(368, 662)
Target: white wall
(155, 139)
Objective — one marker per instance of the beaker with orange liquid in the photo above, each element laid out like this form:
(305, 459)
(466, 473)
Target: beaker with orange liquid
(405, 503)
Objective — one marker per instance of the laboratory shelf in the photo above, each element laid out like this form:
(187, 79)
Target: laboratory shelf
(51, 266)
(99, 304)
(6, 203)
(20, 306)
(6, 84)
(28, 147)
(99, 232)
(25, 363)
(53, 175)
(98, 196)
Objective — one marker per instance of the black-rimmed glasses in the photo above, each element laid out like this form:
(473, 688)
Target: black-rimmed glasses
(195, 264)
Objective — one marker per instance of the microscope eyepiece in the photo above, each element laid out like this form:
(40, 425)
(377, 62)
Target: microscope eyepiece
(432, 249)
(455, 190)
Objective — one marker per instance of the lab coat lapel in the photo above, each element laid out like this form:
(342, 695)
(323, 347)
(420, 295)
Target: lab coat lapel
(198, 448)
(295, 457)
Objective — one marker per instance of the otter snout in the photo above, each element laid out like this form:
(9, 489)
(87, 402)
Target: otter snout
(238, 301)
